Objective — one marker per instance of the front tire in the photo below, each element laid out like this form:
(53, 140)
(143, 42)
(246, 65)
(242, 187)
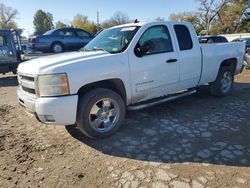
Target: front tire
(223, 83)
(100, 113)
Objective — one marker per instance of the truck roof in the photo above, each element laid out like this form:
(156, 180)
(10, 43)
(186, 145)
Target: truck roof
(146, 23)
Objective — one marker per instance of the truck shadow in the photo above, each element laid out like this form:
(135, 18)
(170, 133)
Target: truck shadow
(199, 129)
(8, 81)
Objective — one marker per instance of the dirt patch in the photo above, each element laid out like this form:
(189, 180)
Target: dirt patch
(4, 110)
(197, 141)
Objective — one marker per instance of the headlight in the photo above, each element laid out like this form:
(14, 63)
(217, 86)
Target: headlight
(53, 85)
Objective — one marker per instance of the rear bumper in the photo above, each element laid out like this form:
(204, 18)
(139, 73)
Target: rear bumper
(54, 110)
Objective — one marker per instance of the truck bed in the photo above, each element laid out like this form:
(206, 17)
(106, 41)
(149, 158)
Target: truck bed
(214, 54)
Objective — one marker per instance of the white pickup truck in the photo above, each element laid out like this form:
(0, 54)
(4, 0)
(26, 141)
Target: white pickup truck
(130, 66)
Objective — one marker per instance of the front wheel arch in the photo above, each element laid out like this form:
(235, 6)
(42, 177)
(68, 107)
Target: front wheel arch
(116, 85)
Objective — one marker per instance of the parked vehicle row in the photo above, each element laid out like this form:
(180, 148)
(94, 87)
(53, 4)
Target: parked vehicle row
(247, 53)
(130, 66)
(212, 39)
(12, 52)
(221, 39)
(60, 40)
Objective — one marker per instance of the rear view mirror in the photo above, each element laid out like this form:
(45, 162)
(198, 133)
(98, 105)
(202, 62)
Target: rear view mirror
(144, 49)
(138, 52)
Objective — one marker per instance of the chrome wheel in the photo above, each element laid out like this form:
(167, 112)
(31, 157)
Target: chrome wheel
(104, 115)
(57, 48)
(226, 81)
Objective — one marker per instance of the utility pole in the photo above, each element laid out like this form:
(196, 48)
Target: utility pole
(98, 21)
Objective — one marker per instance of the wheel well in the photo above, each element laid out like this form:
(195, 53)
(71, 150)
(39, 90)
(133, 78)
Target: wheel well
(230, 63)
(112, 84)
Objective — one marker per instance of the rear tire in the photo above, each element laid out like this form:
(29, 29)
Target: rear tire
(223, 84)
(100, 113)
(57, 48)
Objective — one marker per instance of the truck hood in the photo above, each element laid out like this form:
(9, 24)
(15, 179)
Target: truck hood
(46, 64)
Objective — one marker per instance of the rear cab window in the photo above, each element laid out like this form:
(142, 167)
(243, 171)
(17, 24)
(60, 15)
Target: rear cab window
(183, 37)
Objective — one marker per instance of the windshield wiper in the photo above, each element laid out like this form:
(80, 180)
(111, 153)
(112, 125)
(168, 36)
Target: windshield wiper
(94, 49)
(98, 49)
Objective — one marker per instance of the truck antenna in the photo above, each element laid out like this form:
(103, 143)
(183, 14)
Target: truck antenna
(136, 21)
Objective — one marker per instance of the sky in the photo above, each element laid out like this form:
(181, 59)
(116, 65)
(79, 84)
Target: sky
(65, 10)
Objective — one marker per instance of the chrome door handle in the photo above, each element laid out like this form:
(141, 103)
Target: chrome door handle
(171, 61)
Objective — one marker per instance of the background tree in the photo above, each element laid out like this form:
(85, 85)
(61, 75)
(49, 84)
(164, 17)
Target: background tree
(192, 17)
(43, 22)
(231, 18)
(245, 25)
(160, 19)
(117, 19)
(81, 21)
(120, 18)
(60, 24)
(7, 17)
(209, 10)
(218, 17)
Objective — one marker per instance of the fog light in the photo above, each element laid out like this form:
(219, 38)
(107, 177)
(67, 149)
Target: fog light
(49, 118)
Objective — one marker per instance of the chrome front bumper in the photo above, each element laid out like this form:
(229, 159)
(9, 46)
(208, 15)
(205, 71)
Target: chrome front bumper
(50, 110)
(28, 102)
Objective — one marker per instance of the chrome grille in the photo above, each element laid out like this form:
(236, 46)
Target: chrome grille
(27, 84)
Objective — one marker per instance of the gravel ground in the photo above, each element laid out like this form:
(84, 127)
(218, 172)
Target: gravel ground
(194, 142)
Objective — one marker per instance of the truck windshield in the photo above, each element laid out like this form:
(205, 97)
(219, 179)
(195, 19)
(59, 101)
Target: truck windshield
(114, 40)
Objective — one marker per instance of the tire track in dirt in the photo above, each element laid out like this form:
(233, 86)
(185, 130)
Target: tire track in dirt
(4, 110)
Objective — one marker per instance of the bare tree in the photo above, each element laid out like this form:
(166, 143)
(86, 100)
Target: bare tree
(7, 17)
(209, 10)
(120, 18)
(117, 19)
(160, 19)
(192, 17)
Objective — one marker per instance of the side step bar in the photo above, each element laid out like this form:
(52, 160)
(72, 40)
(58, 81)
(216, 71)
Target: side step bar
(162, 100)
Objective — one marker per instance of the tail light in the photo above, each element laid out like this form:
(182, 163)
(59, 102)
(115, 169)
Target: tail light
(35, 40)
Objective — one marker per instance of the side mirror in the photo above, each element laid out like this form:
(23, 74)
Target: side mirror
(248, 51)
(140, 51)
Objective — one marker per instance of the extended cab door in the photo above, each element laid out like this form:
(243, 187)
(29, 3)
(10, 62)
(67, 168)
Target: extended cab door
(156, 72)
(190, 59)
